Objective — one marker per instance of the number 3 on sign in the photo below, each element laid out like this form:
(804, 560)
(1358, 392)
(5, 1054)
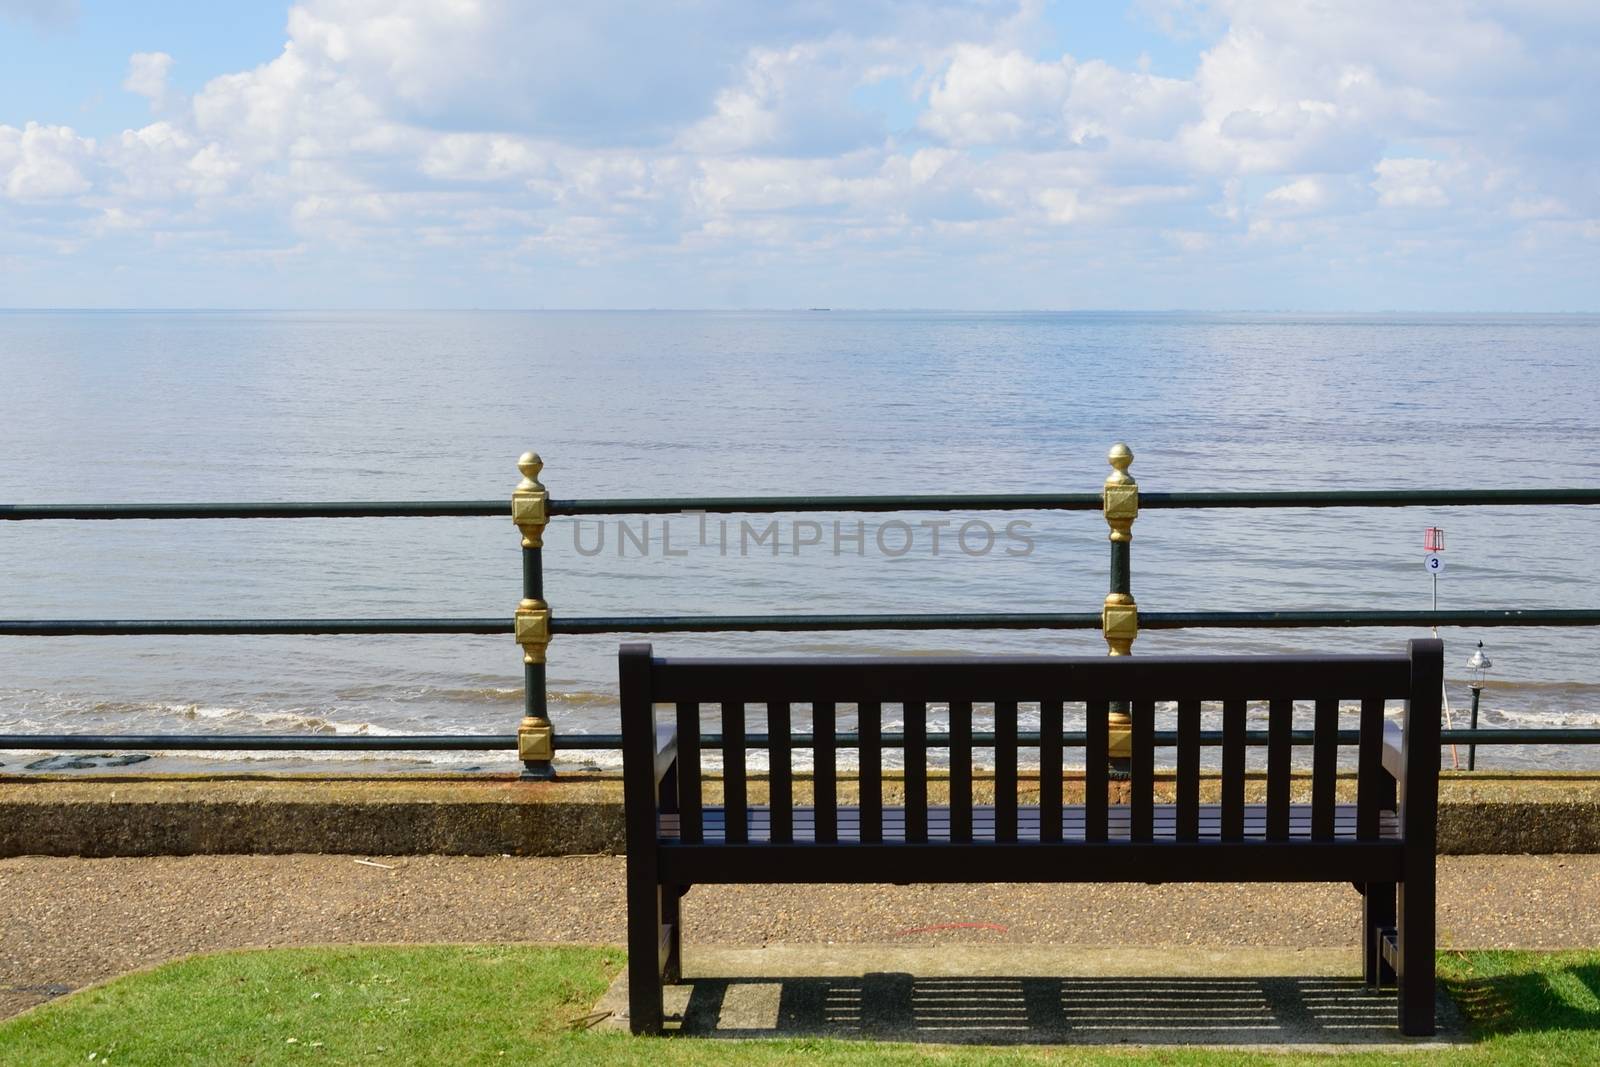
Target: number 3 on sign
(1434, 562)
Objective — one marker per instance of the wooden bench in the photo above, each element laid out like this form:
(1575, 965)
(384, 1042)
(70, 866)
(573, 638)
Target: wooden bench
(1383, 843)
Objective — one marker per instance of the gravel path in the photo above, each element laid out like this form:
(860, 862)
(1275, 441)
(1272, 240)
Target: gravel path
(68, 922)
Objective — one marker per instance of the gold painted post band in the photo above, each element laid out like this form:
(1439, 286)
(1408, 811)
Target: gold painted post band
(1119, 616)
(530, 502)
(533, 629)
(535, 741)
(1120, 496)
(1119, 620)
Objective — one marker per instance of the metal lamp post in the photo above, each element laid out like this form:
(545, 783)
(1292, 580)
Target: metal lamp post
(1477, 667)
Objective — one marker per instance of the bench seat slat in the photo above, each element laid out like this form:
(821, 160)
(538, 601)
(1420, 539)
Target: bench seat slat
(1164, 824)
(1113, 861)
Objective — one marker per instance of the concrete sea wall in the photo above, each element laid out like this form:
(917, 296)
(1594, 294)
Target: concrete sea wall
(1484, 813)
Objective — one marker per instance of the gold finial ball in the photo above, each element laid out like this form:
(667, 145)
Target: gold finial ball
(1120, 457)
(530, 465)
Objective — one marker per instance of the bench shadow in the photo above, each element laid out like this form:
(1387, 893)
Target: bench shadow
(1049, 1010)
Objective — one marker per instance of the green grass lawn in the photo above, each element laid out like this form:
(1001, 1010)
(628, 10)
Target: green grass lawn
(470, 1005)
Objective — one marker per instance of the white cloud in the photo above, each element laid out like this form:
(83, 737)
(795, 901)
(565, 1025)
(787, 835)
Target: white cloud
(296, 106)
(1304, 193)
(1543, 207)
(147, 76)
(794, 101)
(1409, 183)
(987, 97)
(44, 162)
(990, 97)
(482, 157)
(163, 161)
(596, 75)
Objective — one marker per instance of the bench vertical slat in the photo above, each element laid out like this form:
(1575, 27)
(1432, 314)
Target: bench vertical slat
(1324, 767)
(1188, 821)
(869, 728)
(961, 770)
(1370, 775)
(1233, 712)
(916, 770)
(1005, 770)
(689, 802)
(1097, 728)
(1280, 721)
(825, 772)
(1142, 784)
(780, 771)
(1049, 770)
(733, 784)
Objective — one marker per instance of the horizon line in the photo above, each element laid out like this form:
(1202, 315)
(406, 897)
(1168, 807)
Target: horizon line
(819, 309)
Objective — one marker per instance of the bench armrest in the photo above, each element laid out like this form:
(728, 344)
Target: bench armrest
(666, 751)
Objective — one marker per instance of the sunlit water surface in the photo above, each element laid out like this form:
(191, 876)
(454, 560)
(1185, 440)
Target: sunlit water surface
(387, 406)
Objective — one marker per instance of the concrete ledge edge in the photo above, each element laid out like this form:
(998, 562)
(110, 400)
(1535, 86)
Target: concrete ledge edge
(1481, 814)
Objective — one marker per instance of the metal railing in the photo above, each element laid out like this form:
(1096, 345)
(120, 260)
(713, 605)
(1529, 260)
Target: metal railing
(532, 625)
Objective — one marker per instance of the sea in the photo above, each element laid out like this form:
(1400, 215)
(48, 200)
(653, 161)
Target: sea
(188, 406)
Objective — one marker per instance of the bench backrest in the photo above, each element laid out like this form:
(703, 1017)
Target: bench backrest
(1149, 687)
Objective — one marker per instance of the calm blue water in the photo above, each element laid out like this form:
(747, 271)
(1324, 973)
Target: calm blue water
(381, 406)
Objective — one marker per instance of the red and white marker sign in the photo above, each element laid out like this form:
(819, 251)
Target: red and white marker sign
(1433, 544)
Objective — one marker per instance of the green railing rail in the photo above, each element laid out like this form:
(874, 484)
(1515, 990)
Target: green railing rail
(761, 505)
(664, 624)
(533, 624)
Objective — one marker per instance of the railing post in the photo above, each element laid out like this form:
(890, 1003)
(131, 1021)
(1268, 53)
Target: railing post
(530, 511)
(1119, 618)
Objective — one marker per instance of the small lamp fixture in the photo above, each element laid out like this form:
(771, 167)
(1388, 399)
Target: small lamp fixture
(1477, 667)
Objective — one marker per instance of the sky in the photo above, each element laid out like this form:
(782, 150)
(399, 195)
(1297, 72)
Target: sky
(1360, 155)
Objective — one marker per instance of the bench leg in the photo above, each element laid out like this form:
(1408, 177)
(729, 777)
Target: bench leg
(1415, 940)
(671, 915)
(645, 1010)
(1377, 916)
